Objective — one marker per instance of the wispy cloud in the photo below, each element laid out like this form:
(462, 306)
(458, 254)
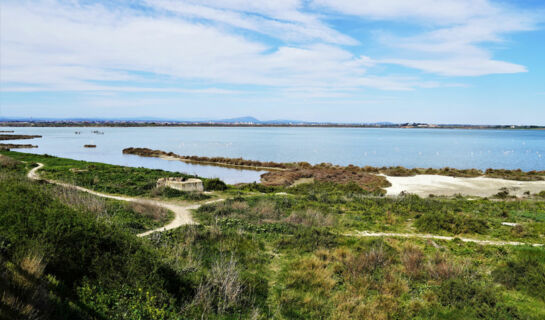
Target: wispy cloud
(455, 45)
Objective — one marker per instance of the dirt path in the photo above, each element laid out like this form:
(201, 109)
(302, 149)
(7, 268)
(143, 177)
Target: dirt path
(182, 214)
(431, 236)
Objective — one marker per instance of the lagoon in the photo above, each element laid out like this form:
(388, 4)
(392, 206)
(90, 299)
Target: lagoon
(436, 148)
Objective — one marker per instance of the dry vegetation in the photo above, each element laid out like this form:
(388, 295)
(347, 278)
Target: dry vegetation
(8, 146)
(80, 200)
(17, 136)
(149, 210)
(327, 173)
(23, 291)
(8, 163)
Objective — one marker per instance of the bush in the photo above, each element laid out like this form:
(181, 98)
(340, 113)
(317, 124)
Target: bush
(214, 185)
(257, 187)
(503, 194)
(310, 218)
(153, 211)
(476, 299)
(453, 223)
(8, 163)
(442, 268)
(525, 272)
(413, 260)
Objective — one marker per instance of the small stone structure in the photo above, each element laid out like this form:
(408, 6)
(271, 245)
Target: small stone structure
(181, 184)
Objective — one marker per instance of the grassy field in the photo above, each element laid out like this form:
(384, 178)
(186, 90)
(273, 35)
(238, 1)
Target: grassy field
(266, 252)
(111, 178)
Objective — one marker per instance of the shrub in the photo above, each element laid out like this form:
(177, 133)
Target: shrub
(223, 290)
(460, 294)
(214, 184)
(453, 223)
(265, 209)
(80, 200)
(441, 268)
(8, 163)
(525, 271)
(412, 259)
(149, 210)
(310, 218)
(368, 261)
(503, 194)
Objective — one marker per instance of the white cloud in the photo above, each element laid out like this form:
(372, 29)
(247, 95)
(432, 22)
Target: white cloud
(437, 12)
(459, 31)
(460, 67)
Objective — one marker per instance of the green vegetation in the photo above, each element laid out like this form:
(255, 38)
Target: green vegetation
(524, 272)
(214, 184)
(264, 253)
(109, 178)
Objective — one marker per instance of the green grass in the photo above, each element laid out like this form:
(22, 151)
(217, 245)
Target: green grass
(110, 178)
(266, 256)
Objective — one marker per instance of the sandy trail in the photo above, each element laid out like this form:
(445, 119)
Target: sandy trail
(436, 237)
(182, 214)
(424, 185)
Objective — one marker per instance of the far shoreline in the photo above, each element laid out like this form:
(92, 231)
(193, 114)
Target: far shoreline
(175, 124)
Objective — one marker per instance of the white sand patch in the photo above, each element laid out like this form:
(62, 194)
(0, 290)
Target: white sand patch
(424, 185)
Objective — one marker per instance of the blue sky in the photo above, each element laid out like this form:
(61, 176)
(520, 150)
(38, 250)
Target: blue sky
(447, 61)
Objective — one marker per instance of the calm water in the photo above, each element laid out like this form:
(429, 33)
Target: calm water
(509, 149)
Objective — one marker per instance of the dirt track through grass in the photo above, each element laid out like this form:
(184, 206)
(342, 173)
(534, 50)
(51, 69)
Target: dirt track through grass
(182, 214)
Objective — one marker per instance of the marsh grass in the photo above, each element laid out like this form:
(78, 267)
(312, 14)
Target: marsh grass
(413, 260)
(80, 200)
(310, 218)
(149, 210)
(222, 290)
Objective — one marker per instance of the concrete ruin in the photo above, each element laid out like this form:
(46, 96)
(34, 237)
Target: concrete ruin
(181, 184)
